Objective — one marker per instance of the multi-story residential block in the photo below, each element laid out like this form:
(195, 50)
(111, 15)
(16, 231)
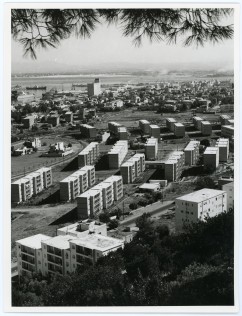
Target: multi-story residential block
(174, 166)
(211, 157)
(99, 197)
(69, 188)
(132, 168)
(179, 130)
(117, 182)
(227, 131)
(223, 146)
(88, 155)
(91, 174)
(54, 119)
(117, 154)
(170, 122)
(227, 108)
(29, 254)
(224, 119)
(113, 127)
(151, 148)
(127, 170)
(28, 121)
(199, 205)
(197, 122)
(144, 125)
(229, 189)
(88, 131)
(192, 153)
(35, 143)
(122, 133)
(206, 128)
(89, 204)
(31, 184)
(69, 117)
(155, 131)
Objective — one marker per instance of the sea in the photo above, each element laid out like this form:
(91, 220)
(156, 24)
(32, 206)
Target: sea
(65, 82)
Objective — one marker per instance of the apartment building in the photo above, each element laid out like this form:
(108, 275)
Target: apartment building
(117, 182)
(223, 146)
(28, 121)
(113, 127)
(69, 117)
(179, 130)
(170, 124)
(53, 119)
(229, 189)
(192, 153)
(174, 166)
(155, 131)
(88, 155)
(31, 184)
(100, 197)
(117, 154)
(122, 133)
(211, 157)
(206, 128)
(144, 125)
(197, 122)
(88, 131)
(199, 205)
(151, 148)
(127, 171)
(227, 131)
(224, 119)
(94, 89)
(77, 183)
(132, 168)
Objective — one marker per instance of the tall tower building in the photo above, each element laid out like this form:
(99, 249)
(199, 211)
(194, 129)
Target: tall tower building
(94, 89)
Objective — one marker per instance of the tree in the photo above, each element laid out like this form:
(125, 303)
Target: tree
(205, 142)
(113, 224)
(104, 217)
(42, 28)
(133, 206)
(205, 182)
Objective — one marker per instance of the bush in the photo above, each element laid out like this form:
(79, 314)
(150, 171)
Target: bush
(133, 206)
(104, 217)
(113, 224)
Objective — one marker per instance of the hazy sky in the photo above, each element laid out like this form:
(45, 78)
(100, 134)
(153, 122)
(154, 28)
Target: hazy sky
(108, 45)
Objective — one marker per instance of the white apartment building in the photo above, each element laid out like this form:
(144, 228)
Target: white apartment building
(77, 183)
(31, 184)
(197, 122)
(223, 146)
(144, 125)
(117, 154)
(66, 252)
(170, 123)
(100, 197)
(88, 155)
(174, 166)
(132, 168)
(113, 127)
(151, 148)
(211, 157)
(127, 170)
(199, 205)
(227, 131)
(155, 131)
(206, 128)
(229, 189)
(192, 153)
(179, 130)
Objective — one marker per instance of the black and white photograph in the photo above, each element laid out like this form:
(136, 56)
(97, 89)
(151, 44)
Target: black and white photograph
(123, 174)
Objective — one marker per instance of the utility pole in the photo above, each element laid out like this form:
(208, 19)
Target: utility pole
(123, 210)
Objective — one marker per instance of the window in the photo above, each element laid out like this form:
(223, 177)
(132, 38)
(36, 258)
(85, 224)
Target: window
(39, 262)
(73, 256)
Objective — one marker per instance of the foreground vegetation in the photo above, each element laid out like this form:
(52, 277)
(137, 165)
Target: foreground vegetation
(156, 268)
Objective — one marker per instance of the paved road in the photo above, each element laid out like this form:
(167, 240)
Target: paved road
(155, 208)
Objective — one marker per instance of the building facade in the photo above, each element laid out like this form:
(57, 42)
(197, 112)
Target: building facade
(192, 153)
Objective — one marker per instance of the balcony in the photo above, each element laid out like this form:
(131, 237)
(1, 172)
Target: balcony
(54, 259)
(28, 267)
(27, 250)
(27, 258)
(54, 251)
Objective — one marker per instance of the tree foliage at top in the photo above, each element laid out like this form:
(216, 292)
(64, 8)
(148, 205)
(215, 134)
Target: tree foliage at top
(42, 28)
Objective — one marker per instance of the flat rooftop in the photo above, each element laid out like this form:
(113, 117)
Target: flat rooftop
(98, 242)
(60, 242)
(34, 241)
(171, 120)
(200, 195)
(150, 186)
(211, 150)
(144, 122)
